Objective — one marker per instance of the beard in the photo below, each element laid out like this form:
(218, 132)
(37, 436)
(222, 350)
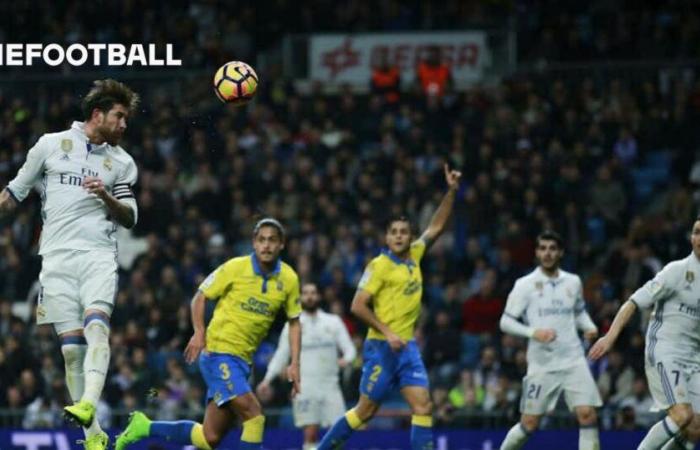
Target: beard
(309, 308)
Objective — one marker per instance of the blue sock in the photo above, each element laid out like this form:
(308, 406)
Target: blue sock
(179, 432)
(336, 436)
(243, 445)
(421, 438)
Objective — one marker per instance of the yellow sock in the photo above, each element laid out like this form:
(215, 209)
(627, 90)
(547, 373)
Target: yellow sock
(197, 437)
(353, 420)
(253, 430)
(422, 421)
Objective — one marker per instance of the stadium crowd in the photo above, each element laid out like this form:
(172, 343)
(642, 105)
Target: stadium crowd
(608, 163)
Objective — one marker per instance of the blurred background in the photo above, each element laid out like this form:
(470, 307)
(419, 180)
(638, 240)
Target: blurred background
(576, 116)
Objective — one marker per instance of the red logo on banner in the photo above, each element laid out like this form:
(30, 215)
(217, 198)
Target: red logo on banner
(340, 58)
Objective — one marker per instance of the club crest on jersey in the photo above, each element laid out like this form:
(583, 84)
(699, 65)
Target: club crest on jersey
(107, 163)
(690, 276)
(280, 285)
(66, 145)
(539, 285)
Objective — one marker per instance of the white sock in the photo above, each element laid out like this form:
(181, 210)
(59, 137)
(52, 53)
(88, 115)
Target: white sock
(678, 443)
(310, 446)
(588, 438)
(659, 434)
(516, 438)
(74, 359)
(96, 359)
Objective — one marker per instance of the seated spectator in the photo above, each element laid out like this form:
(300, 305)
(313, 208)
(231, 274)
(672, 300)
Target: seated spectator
(640, 403)
(442, 349)
(616, 381)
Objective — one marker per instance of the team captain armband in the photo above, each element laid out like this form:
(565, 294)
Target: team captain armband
(121, 191)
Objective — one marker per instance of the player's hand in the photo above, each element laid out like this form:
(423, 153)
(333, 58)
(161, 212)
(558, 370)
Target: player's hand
(545, 335)
(600, 348)
(395, 342)
(195, 346)
(95, 186)
(452, 177)
(263, 389)
(342, 363)
(590, 335)
(294, 378)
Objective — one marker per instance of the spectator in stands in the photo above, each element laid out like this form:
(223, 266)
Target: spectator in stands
(639, 401)
(442, 349)
(386, 79)
(433, 74)
(616, 382)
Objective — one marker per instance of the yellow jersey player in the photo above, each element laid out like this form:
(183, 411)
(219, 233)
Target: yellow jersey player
(392, 284)
(250, 291)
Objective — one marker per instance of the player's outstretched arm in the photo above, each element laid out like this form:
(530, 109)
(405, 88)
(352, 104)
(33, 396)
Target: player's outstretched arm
(7, 203)
(605, 343)
(443, 212)
(360, 308)
(293, 371)
(198, 339)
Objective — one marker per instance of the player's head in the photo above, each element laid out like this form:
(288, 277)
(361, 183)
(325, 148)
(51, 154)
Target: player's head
(549, 250)
(695, 237)
(310, 297)
(268, 240)
(107, 108)
(398, 234)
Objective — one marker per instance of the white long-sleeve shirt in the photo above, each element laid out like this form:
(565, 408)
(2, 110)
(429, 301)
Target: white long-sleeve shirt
(674, 328)
(56, 167)
(322, 335)
(538, 301)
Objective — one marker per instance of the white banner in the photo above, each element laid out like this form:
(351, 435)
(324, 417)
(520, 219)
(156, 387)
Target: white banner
(349, 58)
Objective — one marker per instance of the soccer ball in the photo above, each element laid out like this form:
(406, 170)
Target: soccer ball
(235, 82)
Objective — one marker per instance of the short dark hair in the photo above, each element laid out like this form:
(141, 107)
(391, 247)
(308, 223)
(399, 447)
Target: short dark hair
(550, 235)
(107, 93)
(270, 222)
(398, 218)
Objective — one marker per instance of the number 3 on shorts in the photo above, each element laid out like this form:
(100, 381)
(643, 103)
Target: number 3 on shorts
(376, 370)
(225, 371)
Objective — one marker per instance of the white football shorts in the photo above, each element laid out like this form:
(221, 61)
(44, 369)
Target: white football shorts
(318, 407)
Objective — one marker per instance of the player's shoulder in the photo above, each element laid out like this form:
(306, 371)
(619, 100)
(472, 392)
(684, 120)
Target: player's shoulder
(236, 264)
(527, 279)
(288, 272)
(120, 155)
(569, 276)
(379, 262)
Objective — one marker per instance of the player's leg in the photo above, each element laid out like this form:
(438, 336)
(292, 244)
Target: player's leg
(541, 391)
(669, 390)
(418, 399)
(520, 432)
(218, 420)
(582, 396)
(308, 413)
(688, 438)
(413, 380)
(332, 407)
(310, 437)
(248, 408)
(378, 369)
(587, 419)
(97, 281)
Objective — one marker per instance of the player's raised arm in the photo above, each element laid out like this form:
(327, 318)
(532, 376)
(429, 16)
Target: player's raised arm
(443, 212)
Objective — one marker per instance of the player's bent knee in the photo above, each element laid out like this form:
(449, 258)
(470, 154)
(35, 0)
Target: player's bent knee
(366, 409)
(213, 437)
(530, 423)
(681, 414)
(587, 416)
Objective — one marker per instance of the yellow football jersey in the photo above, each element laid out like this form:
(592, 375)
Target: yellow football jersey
(396, 287)
(248, 302)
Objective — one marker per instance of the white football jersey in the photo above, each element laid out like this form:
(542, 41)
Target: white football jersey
(73, 218)
(545, 302)
(322, 335)
(674, 327)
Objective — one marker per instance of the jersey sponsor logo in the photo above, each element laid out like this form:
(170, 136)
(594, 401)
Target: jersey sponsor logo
(413, 287)
(107, 163)
(71, 180)
(256, 306)
(67, 145)
(690, 276)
